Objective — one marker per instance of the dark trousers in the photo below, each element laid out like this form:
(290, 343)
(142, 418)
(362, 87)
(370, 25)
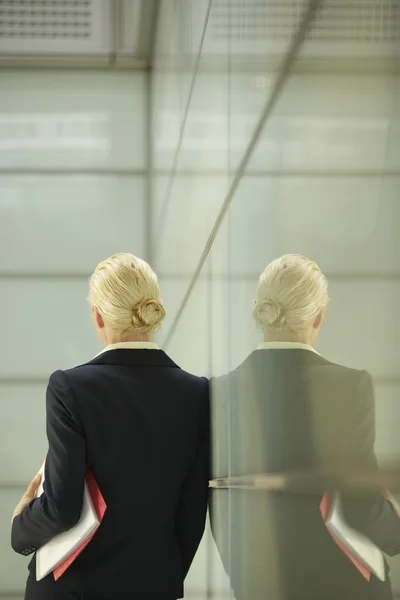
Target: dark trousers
(48, 589)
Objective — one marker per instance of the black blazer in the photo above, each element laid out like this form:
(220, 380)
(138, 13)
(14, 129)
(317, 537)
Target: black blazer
(292, 410)
(140, 424)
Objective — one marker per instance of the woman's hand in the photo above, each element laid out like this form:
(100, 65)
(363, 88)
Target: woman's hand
(29, 495)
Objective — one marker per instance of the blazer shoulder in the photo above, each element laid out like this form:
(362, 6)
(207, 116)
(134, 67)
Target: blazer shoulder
(75, 374)
(59, 381)
(221, 381)
(194, 388)
(353, 386)
(222, 385)
(228, 379)
(348, 372)
(191, 379)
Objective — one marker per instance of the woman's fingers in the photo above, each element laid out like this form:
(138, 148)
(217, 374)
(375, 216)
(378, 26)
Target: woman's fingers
(33, 486)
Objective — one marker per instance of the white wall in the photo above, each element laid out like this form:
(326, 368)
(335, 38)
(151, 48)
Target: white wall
(72, 191)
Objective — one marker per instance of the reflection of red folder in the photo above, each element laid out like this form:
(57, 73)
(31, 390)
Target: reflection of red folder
(100, 508)
(325, 508)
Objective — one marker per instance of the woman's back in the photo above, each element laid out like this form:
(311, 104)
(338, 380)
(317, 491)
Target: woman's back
(145, 425)
(300, 407)
(290, 410)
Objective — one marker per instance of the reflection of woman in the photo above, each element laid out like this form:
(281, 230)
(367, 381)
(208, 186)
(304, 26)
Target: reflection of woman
(139, 423)
(285, 409)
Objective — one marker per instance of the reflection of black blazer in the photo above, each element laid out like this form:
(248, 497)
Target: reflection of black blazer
(140, 424)
(290, 409)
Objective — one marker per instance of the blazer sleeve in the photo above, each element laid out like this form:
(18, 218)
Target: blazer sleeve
(59, 507)
(192, 506)
(370, 513)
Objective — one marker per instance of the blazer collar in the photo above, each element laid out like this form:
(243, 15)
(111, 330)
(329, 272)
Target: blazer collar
(133, 358)
(285, 357)
(129, 346)
(285, 346)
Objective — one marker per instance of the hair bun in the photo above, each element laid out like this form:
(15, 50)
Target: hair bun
(271, 312)
(147, 315)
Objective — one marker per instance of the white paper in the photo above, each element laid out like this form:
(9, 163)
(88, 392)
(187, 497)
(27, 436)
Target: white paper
(52, 554)
(358, 544)
(40, 488)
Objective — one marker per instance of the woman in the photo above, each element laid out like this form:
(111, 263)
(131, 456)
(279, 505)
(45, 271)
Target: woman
(287, 409)
(140, 424)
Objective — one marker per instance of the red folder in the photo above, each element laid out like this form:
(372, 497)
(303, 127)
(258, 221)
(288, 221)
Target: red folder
(100, 508)
(325, 508)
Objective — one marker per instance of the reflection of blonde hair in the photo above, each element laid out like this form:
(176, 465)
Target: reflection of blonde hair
(124, 290)
(291, 293)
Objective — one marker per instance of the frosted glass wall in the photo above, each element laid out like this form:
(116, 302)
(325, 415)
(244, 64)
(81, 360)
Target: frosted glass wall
(72, 191)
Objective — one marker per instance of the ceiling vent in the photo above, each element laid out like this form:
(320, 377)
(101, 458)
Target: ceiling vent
(54, 26)
(342, 28)
(102, 30)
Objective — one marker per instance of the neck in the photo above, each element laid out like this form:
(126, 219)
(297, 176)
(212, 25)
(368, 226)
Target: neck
(131, 338)
(298, 339)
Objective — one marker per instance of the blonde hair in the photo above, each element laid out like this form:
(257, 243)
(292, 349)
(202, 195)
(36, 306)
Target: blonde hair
(291, 293)
(124, 290)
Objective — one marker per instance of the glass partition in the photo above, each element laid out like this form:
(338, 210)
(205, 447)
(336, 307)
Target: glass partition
(323, 181)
